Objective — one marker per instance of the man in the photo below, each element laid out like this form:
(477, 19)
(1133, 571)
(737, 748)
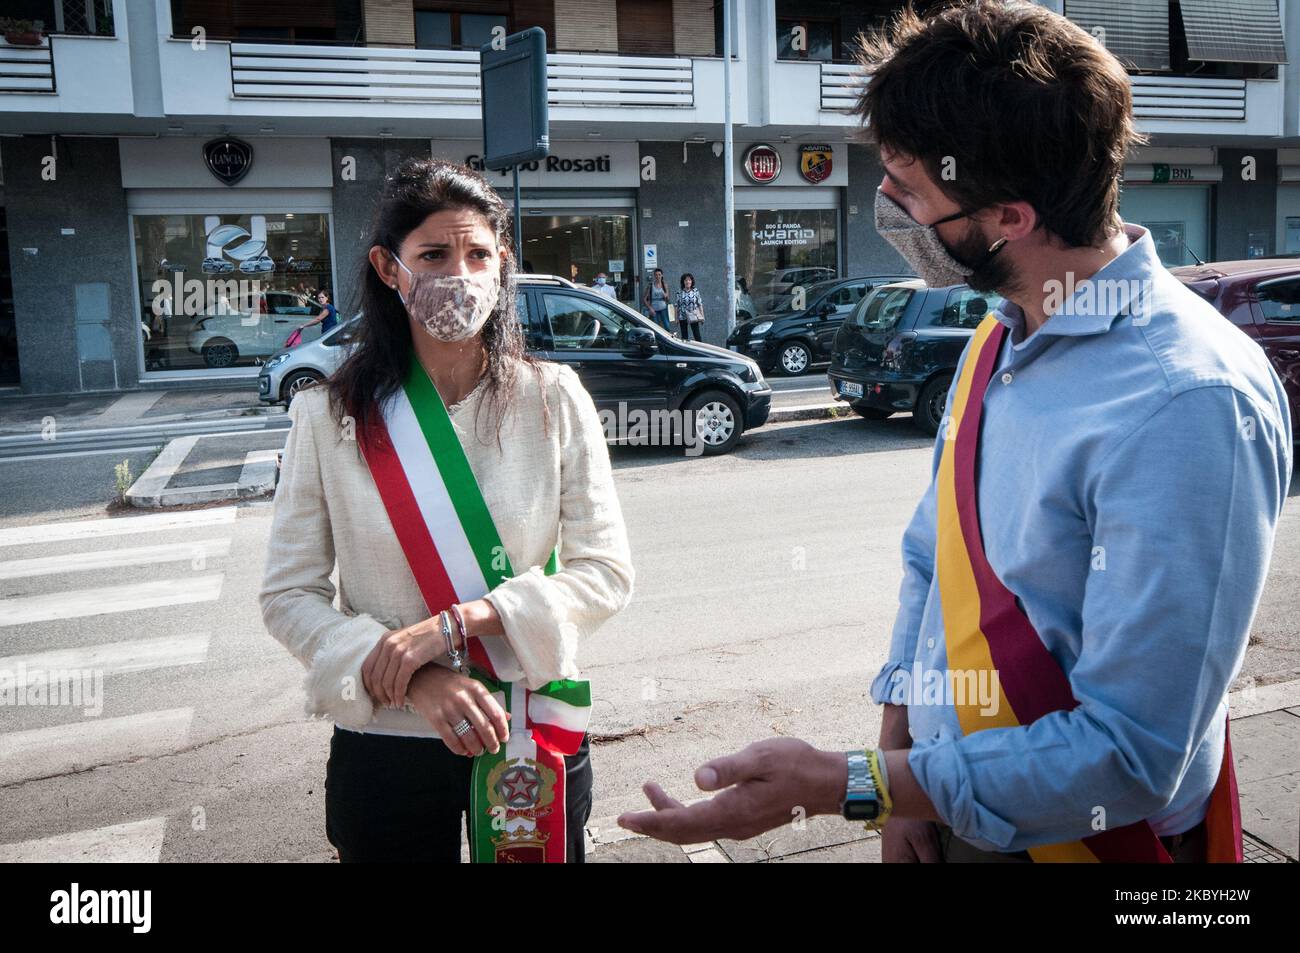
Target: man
(1081, 574)
(603, 287)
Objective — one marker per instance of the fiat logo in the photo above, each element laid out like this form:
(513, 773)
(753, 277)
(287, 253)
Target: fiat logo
(762, 163)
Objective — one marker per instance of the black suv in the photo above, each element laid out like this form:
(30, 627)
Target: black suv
(626, 361)
(900, 347)
(793, 340)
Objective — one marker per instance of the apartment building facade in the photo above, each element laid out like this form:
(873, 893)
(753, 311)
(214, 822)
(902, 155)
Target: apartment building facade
(153, 150)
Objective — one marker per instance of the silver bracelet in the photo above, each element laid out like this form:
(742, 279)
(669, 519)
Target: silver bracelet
(456, 663)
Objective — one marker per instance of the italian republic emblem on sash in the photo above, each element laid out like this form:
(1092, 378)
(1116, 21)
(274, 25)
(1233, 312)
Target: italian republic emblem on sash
(815, 163)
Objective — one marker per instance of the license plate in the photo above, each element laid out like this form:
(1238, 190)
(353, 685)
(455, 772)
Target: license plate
(850, 389)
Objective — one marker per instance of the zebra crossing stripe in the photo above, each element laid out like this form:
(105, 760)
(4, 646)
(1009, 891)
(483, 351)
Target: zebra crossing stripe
(129, 597)
(114, 658)
(198, 551)
(136, 842)
(115, 526)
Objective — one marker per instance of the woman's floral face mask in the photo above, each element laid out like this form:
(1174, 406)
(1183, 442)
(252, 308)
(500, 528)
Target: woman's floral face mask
(451, 307)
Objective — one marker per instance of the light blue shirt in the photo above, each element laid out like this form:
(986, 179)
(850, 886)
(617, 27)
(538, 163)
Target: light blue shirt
(1134, 458)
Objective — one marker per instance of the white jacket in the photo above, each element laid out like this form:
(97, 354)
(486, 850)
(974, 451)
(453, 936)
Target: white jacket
(540, 487)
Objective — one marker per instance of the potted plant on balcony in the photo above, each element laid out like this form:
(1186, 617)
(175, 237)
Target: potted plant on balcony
(22, 32)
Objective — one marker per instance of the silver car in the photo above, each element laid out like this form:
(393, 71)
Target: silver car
(290, 371)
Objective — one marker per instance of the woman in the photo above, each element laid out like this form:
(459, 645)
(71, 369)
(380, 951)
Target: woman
(328, 318)
(690, 309)
(655, 300)
(439, 341)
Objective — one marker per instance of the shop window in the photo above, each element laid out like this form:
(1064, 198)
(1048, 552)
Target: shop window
(226, 291)
(579, 247)
(781, 252)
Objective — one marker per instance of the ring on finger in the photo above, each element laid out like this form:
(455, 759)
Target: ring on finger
(462, 728)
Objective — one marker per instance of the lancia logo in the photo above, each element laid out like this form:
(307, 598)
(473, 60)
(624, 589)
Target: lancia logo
(762, 163)
(229, 159)
(815, 163)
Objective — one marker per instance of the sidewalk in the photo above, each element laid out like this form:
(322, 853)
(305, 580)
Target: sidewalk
(1265, 742)
(28, 414)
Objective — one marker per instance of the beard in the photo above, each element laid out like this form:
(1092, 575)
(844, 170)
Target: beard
(994, 273)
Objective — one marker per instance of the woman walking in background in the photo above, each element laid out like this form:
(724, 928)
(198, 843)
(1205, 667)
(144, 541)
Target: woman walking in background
(464, 490)
(690, 309)
(656, 298)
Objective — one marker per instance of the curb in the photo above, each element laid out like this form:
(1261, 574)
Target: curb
(256, 478)
(808, 412)
(86, 425)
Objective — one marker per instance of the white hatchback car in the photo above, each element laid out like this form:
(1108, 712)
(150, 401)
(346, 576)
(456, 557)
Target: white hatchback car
(256, 328)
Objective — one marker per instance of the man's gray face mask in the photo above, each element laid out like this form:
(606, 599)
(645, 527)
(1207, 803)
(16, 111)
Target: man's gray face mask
(921, 245)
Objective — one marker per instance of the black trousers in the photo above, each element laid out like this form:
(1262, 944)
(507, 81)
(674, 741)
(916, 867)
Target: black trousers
(688, 328)
(402, 799)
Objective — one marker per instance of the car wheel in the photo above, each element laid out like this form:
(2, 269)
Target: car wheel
(220, 353)
(872, 413)
(932, 404)
(296, 382)
(716, 421)
(794, 359)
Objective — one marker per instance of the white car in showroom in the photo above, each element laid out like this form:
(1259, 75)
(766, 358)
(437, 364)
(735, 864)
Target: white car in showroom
(254, 328)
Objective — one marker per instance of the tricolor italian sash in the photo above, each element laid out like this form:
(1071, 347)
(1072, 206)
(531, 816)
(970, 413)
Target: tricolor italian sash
(987, 631)
(517, 797)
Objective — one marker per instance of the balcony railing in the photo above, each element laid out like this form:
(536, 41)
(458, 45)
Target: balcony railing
(374, 74)
(841, 85)
(1188, 97)
(27, 69)
(1154, 97)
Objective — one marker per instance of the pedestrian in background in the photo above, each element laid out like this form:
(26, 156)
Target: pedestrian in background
(603, 287)
(690, 309)
(656, 298)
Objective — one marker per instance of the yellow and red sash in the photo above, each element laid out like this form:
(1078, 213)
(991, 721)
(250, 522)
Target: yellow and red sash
(987, 632)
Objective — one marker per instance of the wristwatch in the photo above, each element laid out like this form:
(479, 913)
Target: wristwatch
(861, 799)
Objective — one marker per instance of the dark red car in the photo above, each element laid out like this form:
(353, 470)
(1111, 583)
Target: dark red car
(1262, 297)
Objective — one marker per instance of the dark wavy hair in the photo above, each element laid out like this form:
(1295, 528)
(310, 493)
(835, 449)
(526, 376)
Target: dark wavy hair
(377, 366)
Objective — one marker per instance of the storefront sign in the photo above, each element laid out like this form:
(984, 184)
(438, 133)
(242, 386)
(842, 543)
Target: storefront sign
(228, 159)
(815, 163)
(1163, 173)
(783, 233)
(762, 163)
(570, 164)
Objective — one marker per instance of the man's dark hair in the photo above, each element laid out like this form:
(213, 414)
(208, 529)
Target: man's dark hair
(1003, 102)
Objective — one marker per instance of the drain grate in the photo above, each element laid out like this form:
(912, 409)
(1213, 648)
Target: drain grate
(1257, 852)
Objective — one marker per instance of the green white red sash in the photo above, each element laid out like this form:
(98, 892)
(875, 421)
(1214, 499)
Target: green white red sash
(517, 800)
(987, 631)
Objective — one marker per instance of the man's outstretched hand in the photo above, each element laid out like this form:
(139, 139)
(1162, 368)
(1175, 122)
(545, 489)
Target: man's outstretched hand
(768, 784)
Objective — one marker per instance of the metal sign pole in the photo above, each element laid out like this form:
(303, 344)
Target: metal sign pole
(728, 185)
